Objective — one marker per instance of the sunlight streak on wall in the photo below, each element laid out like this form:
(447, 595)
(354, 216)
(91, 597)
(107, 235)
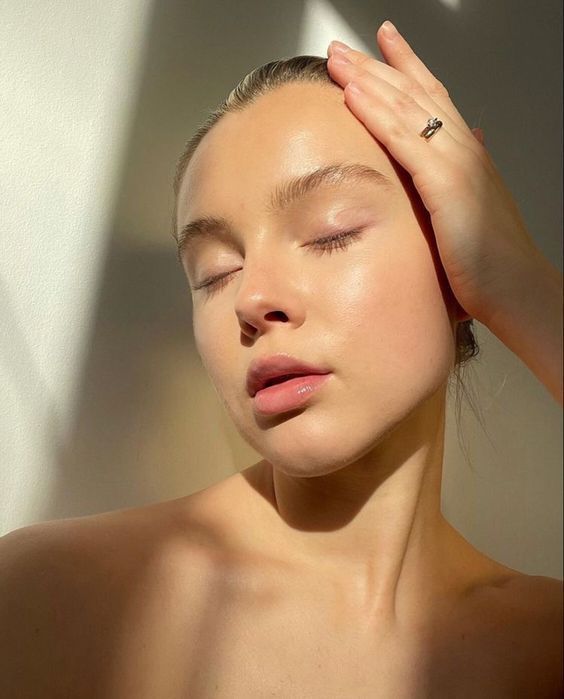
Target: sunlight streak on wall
(321, 24)
(68, 80)
(451, 4)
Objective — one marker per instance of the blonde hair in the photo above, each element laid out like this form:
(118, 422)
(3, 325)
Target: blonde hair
(312, 69)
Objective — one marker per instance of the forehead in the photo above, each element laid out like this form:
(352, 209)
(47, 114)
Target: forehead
(285, 133)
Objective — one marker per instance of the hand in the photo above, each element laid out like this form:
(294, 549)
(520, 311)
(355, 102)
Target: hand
(481, 238)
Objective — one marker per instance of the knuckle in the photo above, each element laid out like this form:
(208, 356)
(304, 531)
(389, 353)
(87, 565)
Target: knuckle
(401, 101)
(436, 87)
(463, 173)
(409, 86)
(395, 134)
(479, 158)
(363, 61)
(472, 160)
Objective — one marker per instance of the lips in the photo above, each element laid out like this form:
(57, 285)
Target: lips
(276, 369)
(290, 395)
(279, 379)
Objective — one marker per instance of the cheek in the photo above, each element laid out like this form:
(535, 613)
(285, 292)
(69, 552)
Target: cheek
(220, 358)
(391, 309)
(210, 350)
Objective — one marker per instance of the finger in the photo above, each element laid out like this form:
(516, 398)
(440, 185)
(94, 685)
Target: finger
(407, 85)
(398, 53)
(395, 119)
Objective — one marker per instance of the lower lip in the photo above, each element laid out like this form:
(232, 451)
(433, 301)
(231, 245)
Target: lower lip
(288, 395)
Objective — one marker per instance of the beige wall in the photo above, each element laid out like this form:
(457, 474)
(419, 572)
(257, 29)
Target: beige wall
(105, 403)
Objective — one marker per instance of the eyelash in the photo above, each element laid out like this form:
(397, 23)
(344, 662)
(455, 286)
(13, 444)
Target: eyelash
(321, 246)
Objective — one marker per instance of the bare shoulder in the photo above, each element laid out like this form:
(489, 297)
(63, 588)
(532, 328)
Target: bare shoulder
(518, 632)
(537, 602)
(543, 592)
(107, 548)
(73, 591)
(36, 569)
(541, 601)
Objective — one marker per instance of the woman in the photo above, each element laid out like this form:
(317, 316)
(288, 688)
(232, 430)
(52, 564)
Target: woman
(326, 234)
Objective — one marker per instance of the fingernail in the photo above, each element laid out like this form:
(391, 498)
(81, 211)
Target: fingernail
(339, 47)
(389, 30)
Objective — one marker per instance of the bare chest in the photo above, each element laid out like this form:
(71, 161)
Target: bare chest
(229, 646)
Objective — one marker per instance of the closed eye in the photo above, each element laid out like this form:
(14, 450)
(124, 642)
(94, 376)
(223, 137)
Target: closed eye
(321, 246)
(339, 241)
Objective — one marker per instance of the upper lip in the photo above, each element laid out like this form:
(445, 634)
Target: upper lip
(263, 369)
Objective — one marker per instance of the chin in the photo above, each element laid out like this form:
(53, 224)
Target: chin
(306, 448)
(322, 438)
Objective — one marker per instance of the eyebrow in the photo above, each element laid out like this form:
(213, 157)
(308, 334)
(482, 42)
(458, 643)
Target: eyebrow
(283, 195)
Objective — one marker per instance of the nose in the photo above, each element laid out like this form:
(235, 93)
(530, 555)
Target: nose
(266, 297)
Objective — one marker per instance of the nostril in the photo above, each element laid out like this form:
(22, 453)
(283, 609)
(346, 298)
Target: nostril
(277, 315)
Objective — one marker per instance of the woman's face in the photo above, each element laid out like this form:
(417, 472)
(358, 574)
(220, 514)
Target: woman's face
(377, 313)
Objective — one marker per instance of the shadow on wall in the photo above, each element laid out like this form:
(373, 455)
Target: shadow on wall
(149, 426)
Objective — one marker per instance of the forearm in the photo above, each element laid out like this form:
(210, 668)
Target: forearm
(529, 322)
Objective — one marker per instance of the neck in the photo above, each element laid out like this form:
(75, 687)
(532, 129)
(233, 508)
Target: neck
(375, 523)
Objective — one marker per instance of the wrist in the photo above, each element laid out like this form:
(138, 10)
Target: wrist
(528, 319)
(532, 282)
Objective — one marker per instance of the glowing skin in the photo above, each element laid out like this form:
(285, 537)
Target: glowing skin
(354, 478)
